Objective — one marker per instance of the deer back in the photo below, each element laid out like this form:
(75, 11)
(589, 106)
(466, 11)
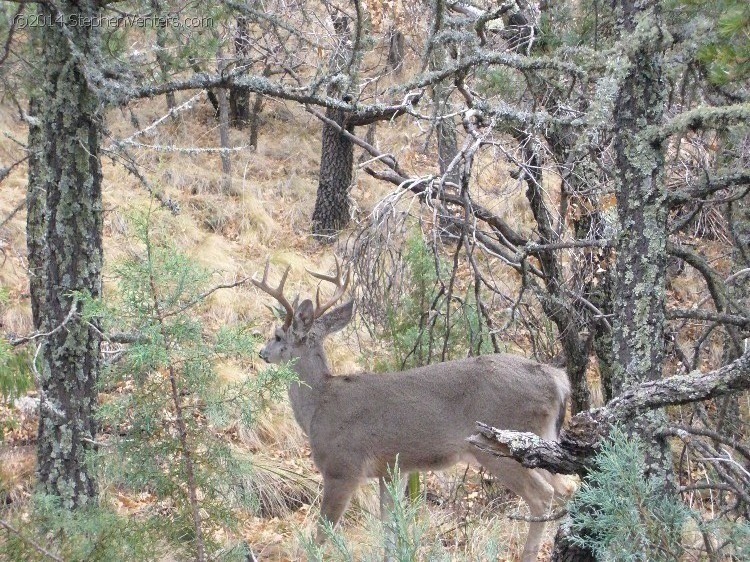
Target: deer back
(424, 415)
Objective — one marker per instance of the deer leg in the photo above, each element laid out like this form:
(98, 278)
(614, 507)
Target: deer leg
(535, 490)
(564, 485)
(386, 498)
(538, 494)
(336, 495)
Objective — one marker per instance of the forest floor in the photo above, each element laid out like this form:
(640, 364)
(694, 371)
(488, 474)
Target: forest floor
(233, 235)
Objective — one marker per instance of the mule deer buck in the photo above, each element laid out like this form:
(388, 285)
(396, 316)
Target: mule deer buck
(358, 425)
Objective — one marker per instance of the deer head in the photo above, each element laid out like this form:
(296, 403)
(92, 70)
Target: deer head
(305, 325)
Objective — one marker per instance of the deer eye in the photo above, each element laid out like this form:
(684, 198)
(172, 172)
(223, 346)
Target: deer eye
(277, 338)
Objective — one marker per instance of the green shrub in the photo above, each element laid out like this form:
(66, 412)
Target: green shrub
(621, 515)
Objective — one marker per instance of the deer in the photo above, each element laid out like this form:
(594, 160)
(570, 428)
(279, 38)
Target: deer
(361, 426)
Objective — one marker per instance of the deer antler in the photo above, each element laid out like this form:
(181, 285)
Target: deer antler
(277, 293)
(340, 284)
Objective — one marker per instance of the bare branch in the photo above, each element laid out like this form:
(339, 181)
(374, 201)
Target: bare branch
(527, 448)
(21, 204)
(580, 441)
(709, 185)
(36, 546)
(5, 172)
(710, 316)
(11, 32)
(700, 118)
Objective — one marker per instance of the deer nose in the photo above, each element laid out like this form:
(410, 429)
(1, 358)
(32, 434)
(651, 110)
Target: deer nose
(263, 354)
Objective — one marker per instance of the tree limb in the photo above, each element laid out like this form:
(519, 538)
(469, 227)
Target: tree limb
(710, 316)
(40, 549)
(699, 118)
(709, 185)
(581, 439)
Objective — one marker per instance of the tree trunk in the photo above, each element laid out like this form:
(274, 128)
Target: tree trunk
(557, 304)
(564, 550)
(396, 50)
(332, 209)
(255, 121)
(640, 282)
(255, 113)
(162, 58)
(68, 170)
(210, 94)
(554, 279)
(239, 98)
(445, 127)
(447, 144)
(738, 218)
(36, 201)
(226, 160)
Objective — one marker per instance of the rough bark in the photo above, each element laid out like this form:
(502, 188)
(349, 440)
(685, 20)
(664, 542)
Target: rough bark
(255, 119)
(555, 303)
(445, 127)
(332, 209)
(226, 160)
(534, 451)
(564, 550)
(601, 296)
(210, 94)
(396, 50)
(36, 201)
(69, 171)
(739, 294)
(640, 282)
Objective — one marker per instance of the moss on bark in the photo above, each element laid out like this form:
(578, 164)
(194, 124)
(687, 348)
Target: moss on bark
(68, 171)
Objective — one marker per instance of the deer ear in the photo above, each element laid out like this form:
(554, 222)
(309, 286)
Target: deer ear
(304, 315)
(336, 319)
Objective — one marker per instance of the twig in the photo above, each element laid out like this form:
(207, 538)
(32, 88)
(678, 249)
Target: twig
(11, 31)
(173, 111)
(554, 516)
(5, 172)
(36, 335)
(184, 150)
(203, 296)
(40, 549)
(21, 205)
(710, 316)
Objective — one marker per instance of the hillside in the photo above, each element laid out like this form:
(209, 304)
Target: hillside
(232, 235)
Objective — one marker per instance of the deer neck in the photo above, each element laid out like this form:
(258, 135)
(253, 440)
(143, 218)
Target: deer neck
(313, 371)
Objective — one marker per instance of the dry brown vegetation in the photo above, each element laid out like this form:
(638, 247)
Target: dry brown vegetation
(232, 236)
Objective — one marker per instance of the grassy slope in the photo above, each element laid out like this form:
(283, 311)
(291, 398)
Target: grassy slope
(233, 236)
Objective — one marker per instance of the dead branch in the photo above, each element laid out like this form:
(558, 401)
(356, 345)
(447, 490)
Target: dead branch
(36, 546)
(580, 441)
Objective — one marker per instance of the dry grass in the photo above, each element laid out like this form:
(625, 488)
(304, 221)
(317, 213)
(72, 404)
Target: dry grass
(17, 465)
